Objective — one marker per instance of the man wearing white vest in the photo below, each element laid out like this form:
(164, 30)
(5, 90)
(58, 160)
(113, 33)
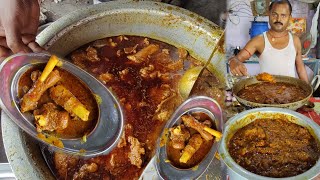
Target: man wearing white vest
(279, 51)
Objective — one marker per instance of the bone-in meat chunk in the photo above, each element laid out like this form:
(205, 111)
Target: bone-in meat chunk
(192, 146)
(50, 118)
(143, 54)
(106, 77)
(190, 121)
(266, 77)
(179, 135)
(92, 54)
(69, 102)
(30, 100)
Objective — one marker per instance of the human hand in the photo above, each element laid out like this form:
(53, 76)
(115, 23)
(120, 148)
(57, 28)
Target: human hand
(237, 68)
(19, 20)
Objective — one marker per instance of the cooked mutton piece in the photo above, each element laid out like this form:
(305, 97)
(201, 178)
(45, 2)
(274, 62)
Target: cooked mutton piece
(50, 118)
(106, 77)
(182, 53)
(35, 75)
(266, 77)
(143, 54)
(136, 151)
(146, 71)
(30, 99)
(129, 50)
(85, 171)
(179, 135)
(92, 54)
(192, 146)
(190, 121)
(63, 97)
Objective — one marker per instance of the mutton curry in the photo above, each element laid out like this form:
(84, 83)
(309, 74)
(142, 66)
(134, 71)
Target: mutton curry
(143, 73)
(61, 104)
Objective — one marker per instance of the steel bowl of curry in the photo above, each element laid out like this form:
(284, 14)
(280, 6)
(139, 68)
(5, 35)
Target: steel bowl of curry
(279, 91)
(139, 49)
(265, 143)
(54, 101)
(190, 139)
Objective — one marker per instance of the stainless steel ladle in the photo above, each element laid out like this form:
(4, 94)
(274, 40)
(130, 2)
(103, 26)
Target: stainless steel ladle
(107, 132)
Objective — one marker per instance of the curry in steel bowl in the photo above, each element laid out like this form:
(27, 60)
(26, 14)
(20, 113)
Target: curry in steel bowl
(274, 148)
(272, 144)
(189, 139)
(54, 103)
(143, 73)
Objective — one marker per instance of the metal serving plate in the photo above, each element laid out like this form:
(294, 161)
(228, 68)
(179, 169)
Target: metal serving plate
(110, 114)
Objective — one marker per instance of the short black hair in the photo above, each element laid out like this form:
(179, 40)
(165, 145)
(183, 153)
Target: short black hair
(281, 2)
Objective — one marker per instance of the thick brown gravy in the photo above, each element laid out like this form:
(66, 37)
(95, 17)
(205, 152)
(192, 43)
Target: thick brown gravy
(272, 93)
(274, 148)
(143, 73)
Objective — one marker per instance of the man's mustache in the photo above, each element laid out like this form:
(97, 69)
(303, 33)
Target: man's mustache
(278, 23)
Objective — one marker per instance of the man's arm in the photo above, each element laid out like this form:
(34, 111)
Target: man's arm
(301, 70)
(236, 62)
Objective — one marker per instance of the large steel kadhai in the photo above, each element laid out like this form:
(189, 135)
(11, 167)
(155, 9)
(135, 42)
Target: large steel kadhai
(293, 106)
(167, 23)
